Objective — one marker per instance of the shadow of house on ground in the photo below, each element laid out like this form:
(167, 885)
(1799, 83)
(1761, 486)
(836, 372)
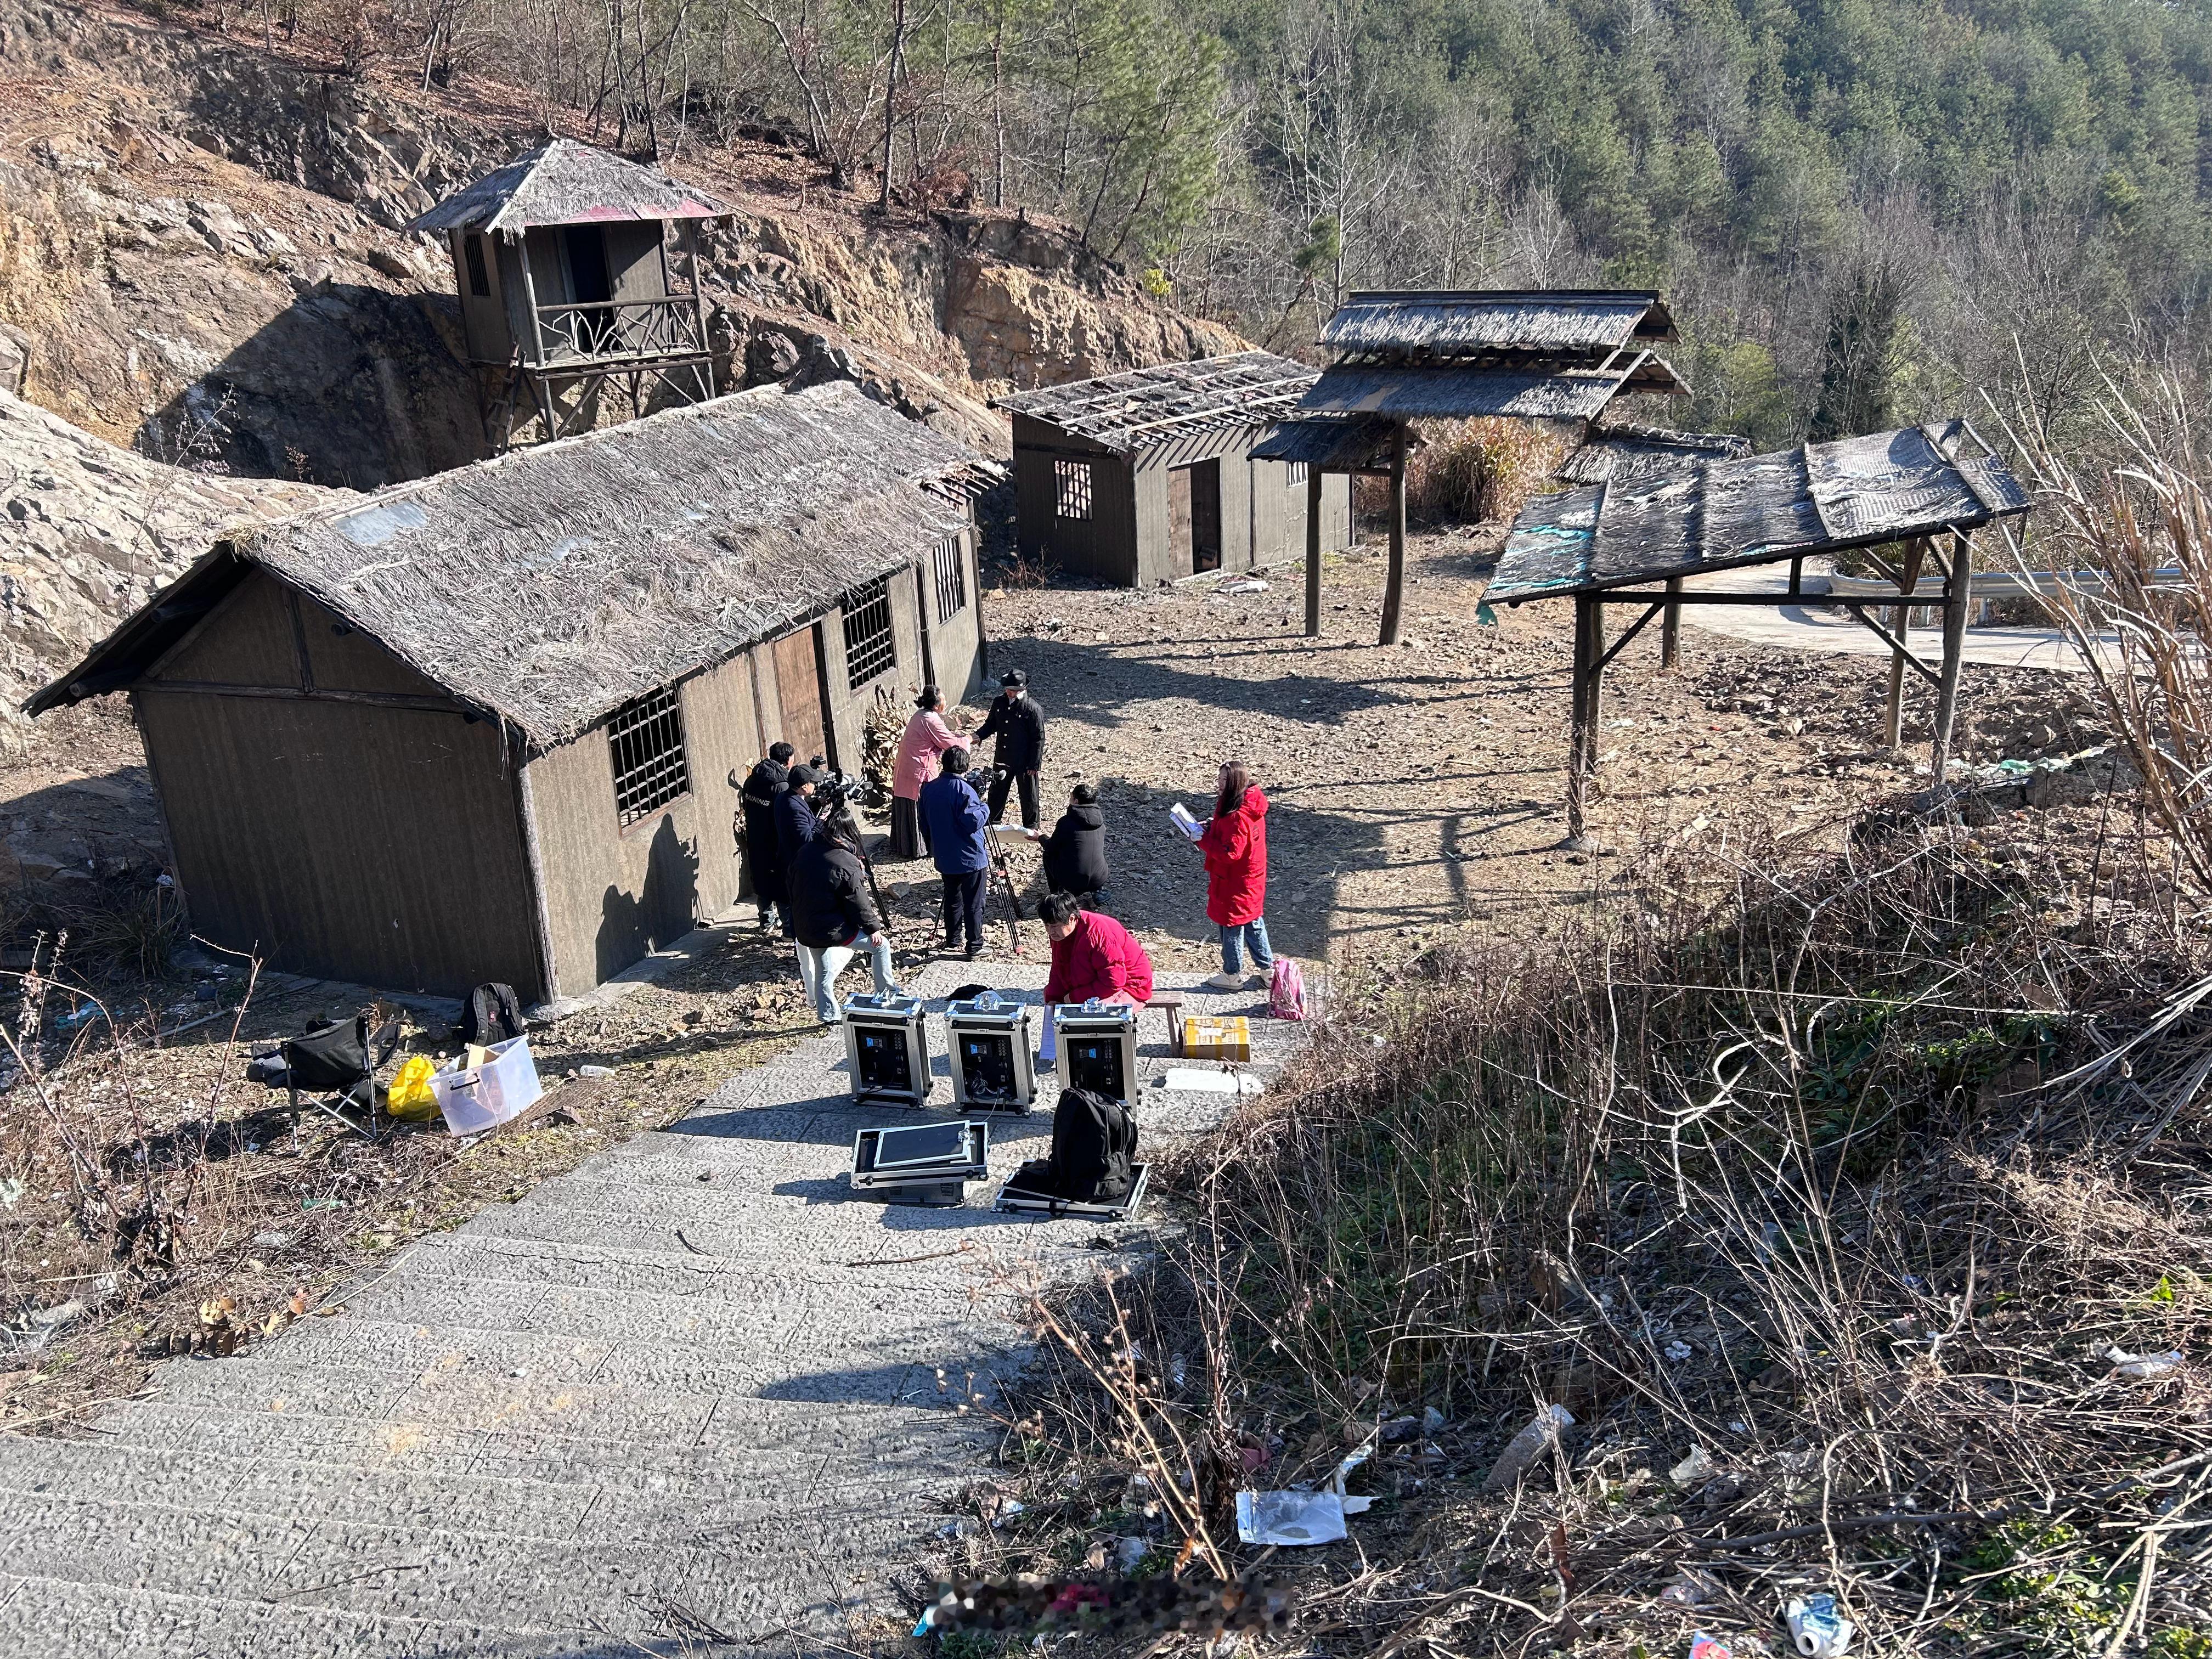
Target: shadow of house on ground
(349, 385)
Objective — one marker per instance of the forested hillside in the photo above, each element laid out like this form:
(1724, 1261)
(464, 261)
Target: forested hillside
(1862, 208)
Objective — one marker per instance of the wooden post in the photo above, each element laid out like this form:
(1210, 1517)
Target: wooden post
(1955, 597)
(1582, 736)
(1670, 628)
(1314, 476)
(1893, 715)
(1394, 592)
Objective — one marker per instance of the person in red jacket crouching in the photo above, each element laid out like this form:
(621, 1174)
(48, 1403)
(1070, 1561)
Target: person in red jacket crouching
(1235, 843)
(1093, 956)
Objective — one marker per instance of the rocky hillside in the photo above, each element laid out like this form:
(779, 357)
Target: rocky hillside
(200, 258)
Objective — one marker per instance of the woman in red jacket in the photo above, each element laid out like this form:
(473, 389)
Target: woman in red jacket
(1235, 843)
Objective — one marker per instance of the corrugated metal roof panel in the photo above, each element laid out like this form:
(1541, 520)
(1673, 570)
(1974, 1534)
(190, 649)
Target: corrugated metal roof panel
(1859, 492)
(1352, 442)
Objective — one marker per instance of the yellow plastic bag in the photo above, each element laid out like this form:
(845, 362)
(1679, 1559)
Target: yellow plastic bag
(410, 1096)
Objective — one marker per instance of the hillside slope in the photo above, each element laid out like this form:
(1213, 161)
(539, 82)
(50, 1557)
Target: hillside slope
(200, 257)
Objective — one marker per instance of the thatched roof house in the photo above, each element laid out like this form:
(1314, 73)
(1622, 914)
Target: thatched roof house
(1148, 475)
(479, 726)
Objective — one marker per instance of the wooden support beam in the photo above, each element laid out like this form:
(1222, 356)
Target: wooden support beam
(1899, 652)
(1907, 577)
(1582, 736)
(1394, 592)
(1634, 629)
(1314, 476)
(1670, 628)
(1955, 596)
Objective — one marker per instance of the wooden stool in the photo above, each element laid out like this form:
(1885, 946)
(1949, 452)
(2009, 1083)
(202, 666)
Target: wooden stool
(1172, 1002)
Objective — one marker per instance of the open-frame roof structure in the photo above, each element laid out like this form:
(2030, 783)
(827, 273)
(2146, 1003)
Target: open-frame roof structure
(1918, 492)
(1144, 408)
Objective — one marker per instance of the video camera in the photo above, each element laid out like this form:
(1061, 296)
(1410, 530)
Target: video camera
(837, 789)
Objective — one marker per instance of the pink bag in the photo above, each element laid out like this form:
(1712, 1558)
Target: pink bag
(1286, 990)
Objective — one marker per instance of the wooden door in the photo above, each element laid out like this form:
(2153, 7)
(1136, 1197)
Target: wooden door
(1205, 516)
(799, 689)
(1179, 555)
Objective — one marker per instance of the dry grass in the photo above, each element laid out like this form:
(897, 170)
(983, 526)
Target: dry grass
(1813, 1177)
(1479, 471)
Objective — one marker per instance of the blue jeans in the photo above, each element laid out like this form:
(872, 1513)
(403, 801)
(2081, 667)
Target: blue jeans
(1232, 947)
(819, 971)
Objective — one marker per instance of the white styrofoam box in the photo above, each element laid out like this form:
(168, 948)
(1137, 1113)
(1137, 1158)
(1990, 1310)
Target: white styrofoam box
(504, 1086)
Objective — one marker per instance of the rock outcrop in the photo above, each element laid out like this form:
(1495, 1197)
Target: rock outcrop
(89, 532)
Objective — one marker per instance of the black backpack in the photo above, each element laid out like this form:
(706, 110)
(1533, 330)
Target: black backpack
(492, 1014)
(1093, 1141)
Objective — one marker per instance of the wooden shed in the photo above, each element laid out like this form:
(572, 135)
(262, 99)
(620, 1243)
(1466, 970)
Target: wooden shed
(483, 727)
(1148, 476)
(576, 267)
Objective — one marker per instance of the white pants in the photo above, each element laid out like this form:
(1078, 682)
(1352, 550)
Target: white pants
(819, 971)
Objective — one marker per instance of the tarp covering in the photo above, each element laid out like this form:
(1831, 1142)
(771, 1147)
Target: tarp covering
(1857, 492)
(1635, 452)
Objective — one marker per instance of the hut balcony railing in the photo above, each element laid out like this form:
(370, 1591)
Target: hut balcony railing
(617, 330)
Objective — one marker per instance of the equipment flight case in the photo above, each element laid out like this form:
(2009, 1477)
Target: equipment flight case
(887, 1047)
(922, 1163)
(992, 1068)
(1098, 1050)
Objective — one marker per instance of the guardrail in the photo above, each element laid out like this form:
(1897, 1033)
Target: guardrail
(595, 333)
(1988, 585)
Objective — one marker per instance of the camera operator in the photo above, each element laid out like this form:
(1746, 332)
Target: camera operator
(764, 786)
(1018, 723)
(832, 916)
(798, 820)
(952, 819)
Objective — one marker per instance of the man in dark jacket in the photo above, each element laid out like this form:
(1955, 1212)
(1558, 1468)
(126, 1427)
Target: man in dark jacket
(763, 786)
(952, 820)
(796, 825)
(1018, 723)
(833, 917)
(1075, 851)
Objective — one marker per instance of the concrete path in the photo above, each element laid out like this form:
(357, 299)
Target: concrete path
(1801, 627)
(688, 1393)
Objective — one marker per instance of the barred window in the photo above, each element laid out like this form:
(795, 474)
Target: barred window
(952, 580)
(1073, 482)
(1294, 474)
(869, 648)
(646, 736)
(479, 278)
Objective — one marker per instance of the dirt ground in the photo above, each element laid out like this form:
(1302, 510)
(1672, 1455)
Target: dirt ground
(1415, 792)
(1421, 790)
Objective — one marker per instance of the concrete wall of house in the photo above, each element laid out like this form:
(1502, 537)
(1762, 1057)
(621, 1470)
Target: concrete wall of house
(333, 810)
(613, 893)
(955, 652)
(1104, 545)
(485, 321)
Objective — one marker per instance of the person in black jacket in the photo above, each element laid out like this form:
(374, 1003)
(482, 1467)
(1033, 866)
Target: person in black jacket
(797, 823)
(763, 786)
(1018, 723)
(1075, 851)
(833, 917)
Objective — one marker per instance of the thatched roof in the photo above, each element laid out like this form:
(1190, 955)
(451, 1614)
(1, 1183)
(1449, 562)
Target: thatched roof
(550, 586)
(1335, 443)
(1143, 408)
(1455, 390)
(1857, 492)
(566, 183)
(1447, 322)
(1636, 452)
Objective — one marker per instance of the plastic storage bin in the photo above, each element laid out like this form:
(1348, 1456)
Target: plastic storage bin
(504, 1086)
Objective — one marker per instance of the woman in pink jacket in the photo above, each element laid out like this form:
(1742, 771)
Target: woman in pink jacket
(926, 737)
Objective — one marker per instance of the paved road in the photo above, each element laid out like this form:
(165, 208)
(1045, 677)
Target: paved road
(1799, 627)
(689, 1390)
